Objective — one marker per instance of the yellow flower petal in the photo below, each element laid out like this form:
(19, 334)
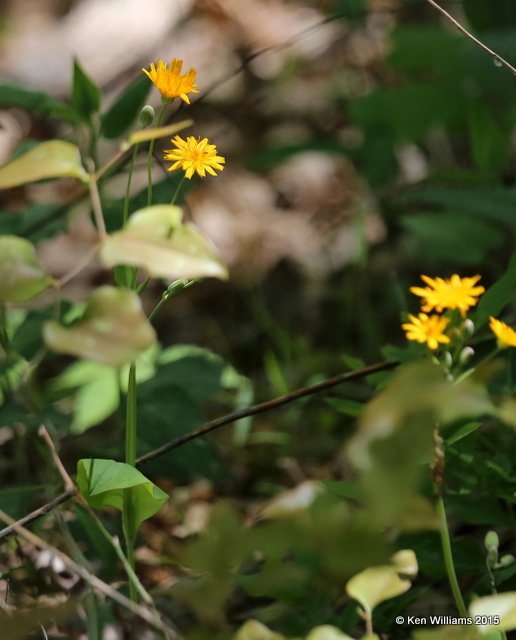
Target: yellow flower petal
(194, 156)
(506, 337)
(452, 293)
(427, 329)
(169, 81)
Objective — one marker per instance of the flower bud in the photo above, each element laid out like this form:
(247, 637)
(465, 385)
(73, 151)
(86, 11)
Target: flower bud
(147, 115)
(466, 354)
(467, 328)
(448, 360)
(506, 560)
(491, 540)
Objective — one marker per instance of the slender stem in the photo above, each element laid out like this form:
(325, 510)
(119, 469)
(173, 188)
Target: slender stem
(129, 180)
(448, 559)
(150, 155)
(97, 206)
(130, 424)
(130, 458)
(496, 56)
(178, 189)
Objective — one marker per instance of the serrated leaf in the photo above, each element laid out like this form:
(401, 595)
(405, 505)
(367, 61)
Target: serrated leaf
(113, 330)
(85, 93)
(123, 112)
(145, 135)
(21, 277)
(376, 584)
(51, 159)
(155, 240)
(502, 605)
(106, 483)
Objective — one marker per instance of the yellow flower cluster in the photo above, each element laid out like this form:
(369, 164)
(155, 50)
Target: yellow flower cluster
(449, 294)
(192, 155)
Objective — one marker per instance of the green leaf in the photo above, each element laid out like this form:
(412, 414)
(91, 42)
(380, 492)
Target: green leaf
(106, 483)
(98, 395)
(36, 102)
(254, 630)
(327, 632)
(145, 135)
(502, 605)
(376, 584)
(21, 277)
(155, 240)
(113, 330)
(51, 159)
(436, 236)
(486, 16)
(85, 93)
(124, 111)
(497, 296)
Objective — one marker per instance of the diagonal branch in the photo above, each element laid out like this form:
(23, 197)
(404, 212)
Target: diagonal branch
(264, 406)
(498, 58)
(211, 426)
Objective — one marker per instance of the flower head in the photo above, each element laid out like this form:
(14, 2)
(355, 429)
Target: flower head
(194, 155)
(429, 329)
(170, 83)
(450, 293)
(505, 336)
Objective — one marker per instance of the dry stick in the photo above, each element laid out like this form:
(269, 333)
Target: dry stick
(215, 424)
(463, 30)
(92, 580)
(264, 406)
(68, 482)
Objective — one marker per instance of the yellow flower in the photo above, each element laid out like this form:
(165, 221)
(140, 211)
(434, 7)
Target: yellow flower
(451, 293)
(170, 83)
(193, 155)
(505, 336)
(429, 329)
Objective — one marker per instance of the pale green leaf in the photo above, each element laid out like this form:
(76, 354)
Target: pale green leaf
(21, 277)
(106, 483)
(145, 135)
(327, 632)
(155, 240)
(51, 159)
(96, 401)
(405, 563)
(254, 630)
(376, 584)
(113, 330)
(501, 605)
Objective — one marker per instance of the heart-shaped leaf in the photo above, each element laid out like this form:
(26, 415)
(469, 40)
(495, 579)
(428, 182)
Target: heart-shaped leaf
(113, 329)
(21, 277)
(106, 483)
(254, 630)
(51, 159)
(156, 240)
(374, 585)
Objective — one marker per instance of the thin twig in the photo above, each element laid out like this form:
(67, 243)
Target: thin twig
(215, 424)
(68, 482)
(264, 406)
(97, 206)
(463, 30)
(81, 264)
(97, 584)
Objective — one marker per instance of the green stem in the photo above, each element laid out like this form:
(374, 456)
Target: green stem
(448, 559)
(150, 155)
(178, 189)
(129, 180)
(130, 458)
